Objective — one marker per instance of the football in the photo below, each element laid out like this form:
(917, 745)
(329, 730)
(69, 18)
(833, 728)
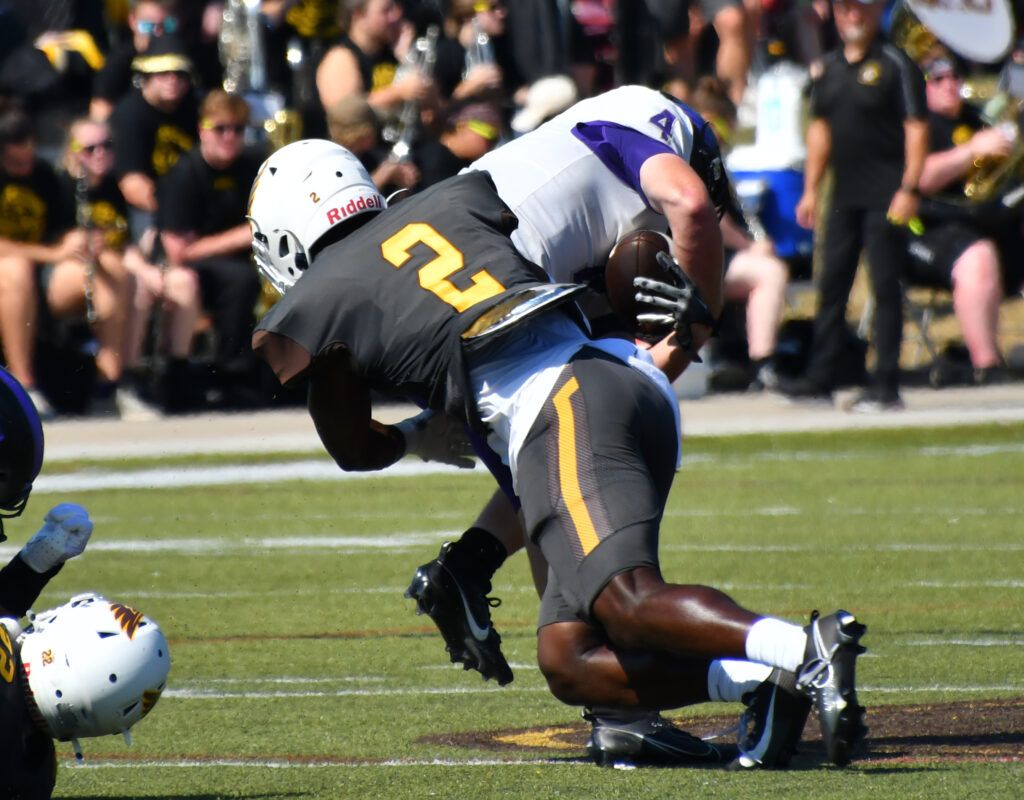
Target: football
(635, 254)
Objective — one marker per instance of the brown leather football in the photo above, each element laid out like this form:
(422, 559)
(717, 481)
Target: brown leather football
(634, 254)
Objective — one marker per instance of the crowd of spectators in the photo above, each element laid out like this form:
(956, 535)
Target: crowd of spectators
(131, 131)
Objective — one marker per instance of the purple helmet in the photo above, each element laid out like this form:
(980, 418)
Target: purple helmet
(21, 446)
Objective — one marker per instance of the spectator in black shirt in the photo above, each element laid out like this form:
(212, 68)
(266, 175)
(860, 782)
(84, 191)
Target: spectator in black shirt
(101, 288)
(37, 229)
(123, 305)
(867, 123)
(956, 250)
(202, 221)
(363, 61)
(147, 18)
(153, 126)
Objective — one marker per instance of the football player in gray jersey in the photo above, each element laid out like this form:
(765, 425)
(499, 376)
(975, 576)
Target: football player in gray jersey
(608, 166)
(588, 428)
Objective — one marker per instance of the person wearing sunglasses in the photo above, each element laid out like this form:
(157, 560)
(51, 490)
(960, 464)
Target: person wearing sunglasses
(39, 241)
(962, 244)
(153, 126)
(202, 224)
(124, 287)
(147, 19)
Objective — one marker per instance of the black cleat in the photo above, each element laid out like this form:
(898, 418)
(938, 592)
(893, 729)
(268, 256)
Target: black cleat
(827, 679)
(461, 609)
(650, 740)
(771, 727)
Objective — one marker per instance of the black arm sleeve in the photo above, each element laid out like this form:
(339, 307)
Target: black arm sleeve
(20, 587)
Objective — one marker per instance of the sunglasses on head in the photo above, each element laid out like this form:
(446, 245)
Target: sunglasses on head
(147, 28)
(89, 149)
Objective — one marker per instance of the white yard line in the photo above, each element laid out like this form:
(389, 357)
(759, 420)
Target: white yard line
(262, 763)
(324, 470)
(213, 694)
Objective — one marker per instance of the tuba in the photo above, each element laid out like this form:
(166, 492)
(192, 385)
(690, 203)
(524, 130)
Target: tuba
(421, 57)
(979, 31)
(988, 177)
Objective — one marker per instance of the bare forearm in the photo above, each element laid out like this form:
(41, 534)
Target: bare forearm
(941, 169)
(676, 191)
(339, 404)
(138, 191)
(33, 252)
(819, 146)
(230, 242)
(916, 150)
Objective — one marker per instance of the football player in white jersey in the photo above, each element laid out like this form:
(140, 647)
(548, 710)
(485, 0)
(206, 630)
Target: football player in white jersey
(625, 160)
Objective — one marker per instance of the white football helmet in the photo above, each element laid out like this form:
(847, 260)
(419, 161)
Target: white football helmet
(94, 667)
(302, 191)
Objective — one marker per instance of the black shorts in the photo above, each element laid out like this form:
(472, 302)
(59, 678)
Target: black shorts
(594, 475)
(933, 254)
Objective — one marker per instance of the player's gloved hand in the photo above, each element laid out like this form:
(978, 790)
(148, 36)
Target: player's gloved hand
(65, 532)
(678, 306)
(12, 626)
(434, 436)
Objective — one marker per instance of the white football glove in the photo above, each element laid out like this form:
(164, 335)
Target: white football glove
(434, 436)
(12, 626)
(65, 532)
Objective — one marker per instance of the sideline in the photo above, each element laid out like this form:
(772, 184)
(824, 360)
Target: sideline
(291, 430)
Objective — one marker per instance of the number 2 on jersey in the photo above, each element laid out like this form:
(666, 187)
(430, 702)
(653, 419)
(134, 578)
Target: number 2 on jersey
(435, 273)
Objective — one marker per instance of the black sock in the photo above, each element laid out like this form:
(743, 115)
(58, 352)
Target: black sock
(478, 552)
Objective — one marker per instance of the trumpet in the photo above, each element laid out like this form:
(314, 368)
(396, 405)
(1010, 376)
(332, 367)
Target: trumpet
(421, 58)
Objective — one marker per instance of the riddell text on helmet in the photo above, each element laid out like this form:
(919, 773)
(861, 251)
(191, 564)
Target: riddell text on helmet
(354, 206)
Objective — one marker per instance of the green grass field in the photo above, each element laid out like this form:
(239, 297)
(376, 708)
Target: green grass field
(300, 671)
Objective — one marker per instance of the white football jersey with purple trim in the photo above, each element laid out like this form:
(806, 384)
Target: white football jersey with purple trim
(576, 197)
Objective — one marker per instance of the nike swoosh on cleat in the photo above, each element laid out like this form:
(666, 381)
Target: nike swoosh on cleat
(480, 634)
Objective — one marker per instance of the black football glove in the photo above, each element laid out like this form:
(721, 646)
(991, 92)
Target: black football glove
(679, 305)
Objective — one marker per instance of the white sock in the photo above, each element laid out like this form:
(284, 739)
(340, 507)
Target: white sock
(729, 679)
(777, 643)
